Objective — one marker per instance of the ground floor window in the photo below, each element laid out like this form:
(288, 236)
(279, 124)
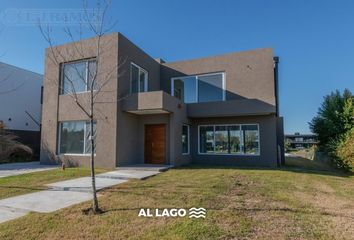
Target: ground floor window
(74, 137)
(185, 139)
(229, 139)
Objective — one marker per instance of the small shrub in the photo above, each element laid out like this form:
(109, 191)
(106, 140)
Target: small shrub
(10, 148)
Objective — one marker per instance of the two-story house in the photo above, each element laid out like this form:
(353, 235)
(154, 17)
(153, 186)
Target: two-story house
(213, 110)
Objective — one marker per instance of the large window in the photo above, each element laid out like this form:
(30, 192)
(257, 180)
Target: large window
(235, 139)
(229, 139)
(250, 139)
(77, 76)
(221, 139)
(185, 139)
(199, 88)
(206, 138)
(74, 137)
(138, 79)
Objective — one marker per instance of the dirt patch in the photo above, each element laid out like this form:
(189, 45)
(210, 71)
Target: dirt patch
(262, 218)
(337, 211)
(324, 188)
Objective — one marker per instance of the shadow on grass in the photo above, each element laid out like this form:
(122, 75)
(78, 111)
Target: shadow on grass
(292, 164)
(240, 209)
(25, 188)
(266, 209)
(304, 165)
(34, 189)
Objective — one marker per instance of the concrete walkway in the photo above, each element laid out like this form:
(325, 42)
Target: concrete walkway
(66, 193)
(13, 169)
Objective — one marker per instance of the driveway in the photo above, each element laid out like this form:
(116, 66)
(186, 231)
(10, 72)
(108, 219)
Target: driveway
(13, 169)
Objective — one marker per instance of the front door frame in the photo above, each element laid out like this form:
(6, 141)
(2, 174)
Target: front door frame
(146, 161)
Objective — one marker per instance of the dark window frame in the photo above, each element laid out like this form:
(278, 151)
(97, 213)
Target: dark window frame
(242, 140)
(85, 129)
(188, 139)
(62, 76)
(197, 76)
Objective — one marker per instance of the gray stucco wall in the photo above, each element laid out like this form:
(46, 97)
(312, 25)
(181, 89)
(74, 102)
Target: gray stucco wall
(248, 74)
(128, 133)
(129, 52)
(173, 120)
(58, 108)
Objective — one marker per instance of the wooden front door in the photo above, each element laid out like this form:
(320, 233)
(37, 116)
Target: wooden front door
(155, 144)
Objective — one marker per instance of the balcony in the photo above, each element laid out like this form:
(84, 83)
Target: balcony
(160, 102)
(156, 102)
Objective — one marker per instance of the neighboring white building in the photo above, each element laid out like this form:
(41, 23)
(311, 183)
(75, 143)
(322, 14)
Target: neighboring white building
(20, 98)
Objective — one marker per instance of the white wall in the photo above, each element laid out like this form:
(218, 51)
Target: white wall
(26, 97)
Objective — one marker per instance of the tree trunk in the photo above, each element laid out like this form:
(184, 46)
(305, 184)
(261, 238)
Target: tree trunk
(95, 207)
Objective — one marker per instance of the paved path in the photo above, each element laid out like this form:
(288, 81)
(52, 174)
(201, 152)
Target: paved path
(12, 169)
(66, 193)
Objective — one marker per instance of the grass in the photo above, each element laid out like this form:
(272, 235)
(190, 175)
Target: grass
(31, 182)
(305, 153)
(304, 164)
(305, 200)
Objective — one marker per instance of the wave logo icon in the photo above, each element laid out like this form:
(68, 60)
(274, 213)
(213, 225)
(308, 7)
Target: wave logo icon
(197, 212)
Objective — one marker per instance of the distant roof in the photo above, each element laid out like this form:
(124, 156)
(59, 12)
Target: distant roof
(19, 68)
(300, 135)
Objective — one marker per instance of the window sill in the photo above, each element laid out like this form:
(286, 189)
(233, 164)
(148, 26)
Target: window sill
(226, 154)
(76, 154)
(82, 92)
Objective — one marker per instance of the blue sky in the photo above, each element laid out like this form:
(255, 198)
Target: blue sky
(314, 40)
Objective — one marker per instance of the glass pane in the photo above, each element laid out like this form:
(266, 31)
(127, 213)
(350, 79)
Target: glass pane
(206, 136)
(74, 75)
(142, 77)
(87, 137)
(186, 89)
(72, 137)
(210, 88)
(221, 139)
(178, 89)
(134, 78)
(251, 139)
(185, 143)
(235, 139)
(92, 67)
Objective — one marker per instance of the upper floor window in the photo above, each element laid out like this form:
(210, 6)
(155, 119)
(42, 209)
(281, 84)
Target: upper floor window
(199, 88)
(138, 79)
(77, 76)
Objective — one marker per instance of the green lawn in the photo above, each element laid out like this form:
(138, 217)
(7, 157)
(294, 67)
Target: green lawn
(295, 202)
(30, 182)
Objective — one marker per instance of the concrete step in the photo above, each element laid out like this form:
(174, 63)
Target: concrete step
(128, 174)
(146, 167)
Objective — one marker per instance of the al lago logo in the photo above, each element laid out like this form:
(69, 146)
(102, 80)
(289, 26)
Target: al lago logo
(173, 212)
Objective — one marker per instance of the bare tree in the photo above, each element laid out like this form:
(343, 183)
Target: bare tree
(93, 79)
